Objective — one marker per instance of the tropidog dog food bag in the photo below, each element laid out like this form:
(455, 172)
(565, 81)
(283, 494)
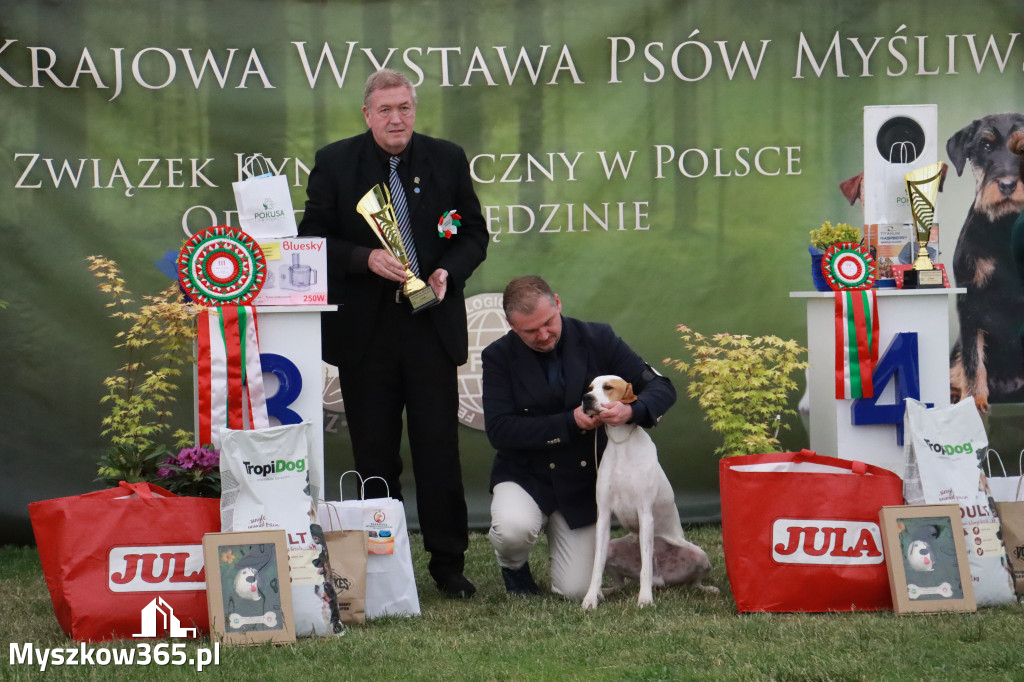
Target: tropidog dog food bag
(942, 447)
(265, 476)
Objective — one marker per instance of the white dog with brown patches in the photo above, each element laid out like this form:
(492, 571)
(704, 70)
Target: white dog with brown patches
(632, 485)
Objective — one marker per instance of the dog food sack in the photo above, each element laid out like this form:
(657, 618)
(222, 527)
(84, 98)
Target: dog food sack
(265, 476)
(942, 447)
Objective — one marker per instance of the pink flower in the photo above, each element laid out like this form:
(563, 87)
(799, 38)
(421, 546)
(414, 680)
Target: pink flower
(197, 458)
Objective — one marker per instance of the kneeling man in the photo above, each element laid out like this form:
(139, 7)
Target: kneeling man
(545, 471)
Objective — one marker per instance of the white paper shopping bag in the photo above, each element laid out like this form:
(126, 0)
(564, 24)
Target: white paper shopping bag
(390, 582)
(264, 201)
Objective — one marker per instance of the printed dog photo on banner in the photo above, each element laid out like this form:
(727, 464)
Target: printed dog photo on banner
(987, 361)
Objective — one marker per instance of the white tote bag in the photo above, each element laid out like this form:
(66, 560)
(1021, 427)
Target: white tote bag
(390, 582)
(942, 447)
(264, 202)
(1004, 488)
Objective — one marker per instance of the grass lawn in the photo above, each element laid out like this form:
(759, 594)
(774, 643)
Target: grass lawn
(685, 636)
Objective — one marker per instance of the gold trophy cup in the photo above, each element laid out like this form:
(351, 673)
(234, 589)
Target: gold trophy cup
(377, 209)
(923, 189)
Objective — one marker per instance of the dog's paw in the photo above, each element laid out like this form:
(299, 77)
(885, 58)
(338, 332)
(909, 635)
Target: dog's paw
(981, 402)
(645, 599)
(590, 601)
(708, 589)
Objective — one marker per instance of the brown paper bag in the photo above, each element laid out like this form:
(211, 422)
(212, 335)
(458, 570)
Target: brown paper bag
(347, 549)
(1011, 515)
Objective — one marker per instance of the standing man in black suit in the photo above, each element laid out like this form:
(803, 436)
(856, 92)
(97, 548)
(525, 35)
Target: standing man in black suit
(545, 471)
(390, 359)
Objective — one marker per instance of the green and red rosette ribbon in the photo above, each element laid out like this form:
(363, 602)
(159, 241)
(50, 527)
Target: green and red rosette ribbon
(223, 269)
(222, 265)
(850, 271)
(449, 224)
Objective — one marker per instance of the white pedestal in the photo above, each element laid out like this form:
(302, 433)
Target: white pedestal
(923, 311)
(293, 332)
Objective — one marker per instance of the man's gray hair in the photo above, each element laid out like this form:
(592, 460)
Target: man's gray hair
(386, 78)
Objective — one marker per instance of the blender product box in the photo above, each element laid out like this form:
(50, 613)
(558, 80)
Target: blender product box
(296, 271)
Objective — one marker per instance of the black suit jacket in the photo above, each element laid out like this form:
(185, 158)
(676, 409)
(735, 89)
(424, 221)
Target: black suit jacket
(343, 173)
(532, 427)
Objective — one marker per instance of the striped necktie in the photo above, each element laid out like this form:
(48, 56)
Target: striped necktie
(402, 215)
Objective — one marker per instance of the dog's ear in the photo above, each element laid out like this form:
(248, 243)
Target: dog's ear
(627, 395)
(1016, 142)
(956, 146)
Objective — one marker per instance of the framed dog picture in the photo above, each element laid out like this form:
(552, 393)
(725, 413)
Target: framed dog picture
(248, 589)
(926, 556)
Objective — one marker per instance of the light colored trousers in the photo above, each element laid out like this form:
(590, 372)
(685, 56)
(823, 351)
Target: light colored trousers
(516, 523)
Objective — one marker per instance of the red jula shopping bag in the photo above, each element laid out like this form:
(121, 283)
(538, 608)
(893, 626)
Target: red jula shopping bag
(126, 562)
(800, 532)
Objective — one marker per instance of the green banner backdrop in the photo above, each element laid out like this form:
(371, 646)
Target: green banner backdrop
(660, 162)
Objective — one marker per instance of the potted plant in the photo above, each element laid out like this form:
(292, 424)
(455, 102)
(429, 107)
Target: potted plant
(743, 384)
(824, 237)
(157, 342)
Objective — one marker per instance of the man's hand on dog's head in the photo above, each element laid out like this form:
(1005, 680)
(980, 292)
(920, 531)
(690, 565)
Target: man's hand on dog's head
(585, 421)
(615, 413)
(612, 414)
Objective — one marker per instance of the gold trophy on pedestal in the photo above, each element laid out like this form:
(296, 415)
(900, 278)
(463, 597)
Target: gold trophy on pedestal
(923, 189)
(377, 209)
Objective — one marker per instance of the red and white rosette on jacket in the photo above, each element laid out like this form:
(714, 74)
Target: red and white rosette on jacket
(223, 269)
(850, 270)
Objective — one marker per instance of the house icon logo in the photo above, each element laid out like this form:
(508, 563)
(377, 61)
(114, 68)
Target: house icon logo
(158, 616)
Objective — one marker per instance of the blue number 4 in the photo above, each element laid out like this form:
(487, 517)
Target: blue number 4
(900, 361)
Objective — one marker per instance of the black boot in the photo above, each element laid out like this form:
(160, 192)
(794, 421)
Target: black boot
(519, 580)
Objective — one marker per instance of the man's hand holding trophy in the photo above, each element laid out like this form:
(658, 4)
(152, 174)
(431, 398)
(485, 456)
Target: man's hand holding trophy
(377, 209)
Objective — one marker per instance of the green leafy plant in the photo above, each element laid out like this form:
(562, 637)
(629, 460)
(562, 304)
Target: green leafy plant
(157, 341)
(743, 385)
(827, 235)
